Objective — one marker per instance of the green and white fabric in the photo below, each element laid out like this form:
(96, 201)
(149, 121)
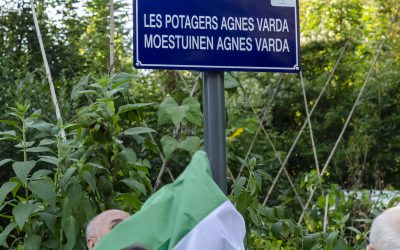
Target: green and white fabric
(192, 213)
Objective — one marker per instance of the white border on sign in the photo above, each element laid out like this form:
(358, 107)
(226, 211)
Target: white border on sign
(139, 63)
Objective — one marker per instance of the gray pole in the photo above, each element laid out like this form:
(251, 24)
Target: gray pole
(214, 125)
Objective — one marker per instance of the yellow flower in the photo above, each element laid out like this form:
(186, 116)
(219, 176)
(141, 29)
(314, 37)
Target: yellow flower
(237, 133)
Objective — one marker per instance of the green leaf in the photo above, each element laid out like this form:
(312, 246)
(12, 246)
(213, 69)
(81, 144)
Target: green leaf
(3, 236)
(65, 180)
(5, 161)
(49, 220)
(253, 216)
(9, 122)
(21, 213)
(194, 114)
(22, 169)
(41, 173)
(163, 113)
(46, 142)
(238, 185)
(123, 78)
(33, 242)
(169, 145)
(128, 155)
(49, 159)
(28, 144)
(90, 180)
(138, 130)
(70, 229)
(340, 244)
(130, 200)
(178, 114)
(39, 150)
(5, 189)
(112, 92)
(230, 82)
(170, 111)
(391, 203)
(44, 190)
(10, 133)
(134, 184)
(83, 92)
(128, 107)
(190, 144)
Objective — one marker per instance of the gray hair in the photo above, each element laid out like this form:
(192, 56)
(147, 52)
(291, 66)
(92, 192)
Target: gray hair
(385, 230)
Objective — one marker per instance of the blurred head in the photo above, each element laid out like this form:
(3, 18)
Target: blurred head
(102, 224)
(385, 231)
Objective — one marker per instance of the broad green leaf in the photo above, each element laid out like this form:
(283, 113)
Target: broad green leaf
(3, 235)
(122, 79)
(44, 190)
(277, 229)
(393, 201)
(39, 150)
(64, 181)
(22, 169)
(28, 144)
(95, 166)
(70, 229)
(178, 114)
(340, 244)
(43, 126)
(169, 145)
(230, 82)
(238, 185)
(9, 122)
(41, 173)
(134, 184)
(190, 144)
(128, 107)
(89, 178)
(10, 133)
(49, 159)
(128, 155)
(45, 130)
(253, 216)
(5, 189)
(5, 161)
(165, 109)
(112, 92)
(21, 213)
(83, 92)
(33, 242)
(194, 114)
(131, 200)
(46, 142)
(138, 130)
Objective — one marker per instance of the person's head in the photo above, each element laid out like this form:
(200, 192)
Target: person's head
(102, 224)
(385, 231)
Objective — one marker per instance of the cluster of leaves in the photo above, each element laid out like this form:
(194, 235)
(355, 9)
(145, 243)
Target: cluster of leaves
(63, 182)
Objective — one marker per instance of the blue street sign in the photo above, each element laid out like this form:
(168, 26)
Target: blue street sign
(217, 35)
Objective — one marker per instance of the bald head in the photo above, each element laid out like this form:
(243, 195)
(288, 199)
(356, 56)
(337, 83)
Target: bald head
(102, 224)
(385, 231)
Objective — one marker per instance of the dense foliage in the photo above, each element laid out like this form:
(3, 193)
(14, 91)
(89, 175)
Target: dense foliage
(129, 133)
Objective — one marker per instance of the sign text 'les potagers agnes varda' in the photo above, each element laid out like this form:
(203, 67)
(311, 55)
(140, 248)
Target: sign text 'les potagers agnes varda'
(217, 35)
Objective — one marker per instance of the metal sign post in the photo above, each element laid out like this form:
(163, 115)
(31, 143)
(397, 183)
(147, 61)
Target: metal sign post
(214, 125)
